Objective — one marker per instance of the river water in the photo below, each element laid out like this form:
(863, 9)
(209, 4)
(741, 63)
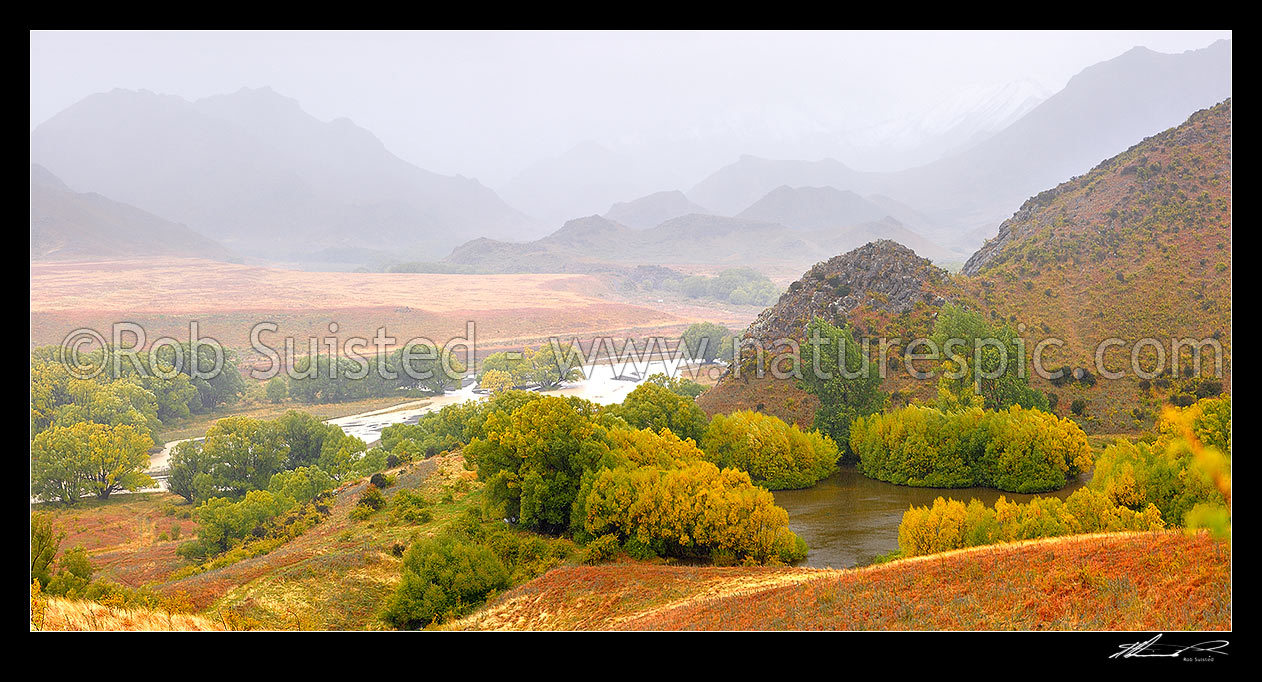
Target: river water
(606, 383)
(849, 519)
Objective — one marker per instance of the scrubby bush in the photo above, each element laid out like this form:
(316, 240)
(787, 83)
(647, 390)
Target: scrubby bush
(602, 549)
(1015, 449)
(775, 454)
(443, 579)
(410, 508)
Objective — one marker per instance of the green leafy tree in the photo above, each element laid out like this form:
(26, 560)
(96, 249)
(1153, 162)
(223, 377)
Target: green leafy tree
(982, 362)
(653, 406)
(703, 340)
(277, 390)
(243, 454)
(836, 372)
(533, 459)
(45, 541)
(184, 467)
(550, 366)
(115, 403)
(422, 366)
(88, 458)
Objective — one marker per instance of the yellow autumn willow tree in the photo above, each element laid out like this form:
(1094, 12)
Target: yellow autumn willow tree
(692, 510)
(1016, 449)
(1186, 472)
(951, 524)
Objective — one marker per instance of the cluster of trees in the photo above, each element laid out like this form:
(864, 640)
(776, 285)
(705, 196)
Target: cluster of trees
(240, 454)
(449, 428)
(92, 436)
(739, 286)
(546, 367)
(255, 479)
(691, 509)
(1185, 472)
(775, 454)
(623, 478)
(1017, 450)
(653, 406)
(86, 458)
(224, 524)
(539, 457)
(131, 388)
(415, 367)
(985, 365)
(951, 524)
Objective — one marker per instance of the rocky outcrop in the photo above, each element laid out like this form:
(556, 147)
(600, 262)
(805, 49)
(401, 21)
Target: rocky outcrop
(884, 275)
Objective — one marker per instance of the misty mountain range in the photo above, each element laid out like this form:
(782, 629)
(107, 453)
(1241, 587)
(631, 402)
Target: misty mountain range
(255, 173)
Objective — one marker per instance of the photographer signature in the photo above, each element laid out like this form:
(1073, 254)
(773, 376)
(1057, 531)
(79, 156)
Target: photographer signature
(1151, 649)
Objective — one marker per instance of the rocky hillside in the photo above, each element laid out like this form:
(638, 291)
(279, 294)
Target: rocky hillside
(883, 278)
(1138, 248)
(882, 289)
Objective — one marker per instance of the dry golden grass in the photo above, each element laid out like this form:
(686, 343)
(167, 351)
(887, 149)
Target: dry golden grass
(66, 615)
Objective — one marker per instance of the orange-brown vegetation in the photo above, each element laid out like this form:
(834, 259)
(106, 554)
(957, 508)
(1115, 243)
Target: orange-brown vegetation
(226, 300)
(1128, 581)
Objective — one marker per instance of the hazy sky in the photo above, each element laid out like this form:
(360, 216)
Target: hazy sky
(487, 104)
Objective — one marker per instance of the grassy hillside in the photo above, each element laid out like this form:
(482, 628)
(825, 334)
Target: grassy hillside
(1138, 248)
(66, 615)
(1136, 581)
(335, 576)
